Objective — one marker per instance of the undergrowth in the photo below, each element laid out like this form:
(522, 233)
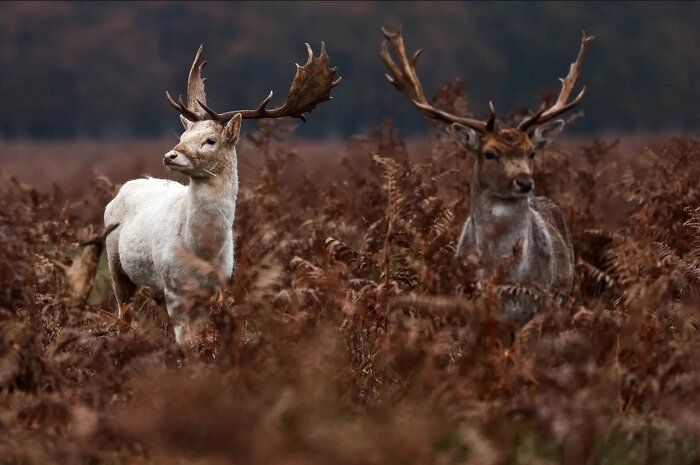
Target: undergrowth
(349, 333)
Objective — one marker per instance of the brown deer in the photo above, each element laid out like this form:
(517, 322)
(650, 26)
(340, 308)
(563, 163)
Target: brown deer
(507, 227)
(178, 239)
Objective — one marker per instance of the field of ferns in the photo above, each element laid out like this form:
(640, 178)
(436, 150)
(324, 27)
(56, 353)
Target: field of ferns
(349, 334)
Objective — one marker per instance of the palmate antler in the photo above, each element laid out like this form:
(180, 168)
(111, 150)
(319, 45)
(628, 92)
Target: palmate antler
(312, 85)
(567, 86)
(403, 76)
(195, 90)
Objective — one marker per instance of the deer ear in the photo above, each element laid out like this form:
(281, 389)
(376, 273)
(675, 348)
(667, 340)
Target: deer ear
(233, 129)
(545, 134)
(185, 123)
(465, 136)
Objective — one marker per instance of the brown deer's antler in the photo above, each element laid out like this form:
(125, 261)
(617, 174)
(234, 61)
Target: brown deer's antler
(312, 85)
(403, 76)
(567, 86)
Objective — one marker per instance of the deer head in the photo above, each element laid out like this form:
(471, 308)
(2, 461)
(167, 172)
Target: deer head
(504, 155)
(209, 138)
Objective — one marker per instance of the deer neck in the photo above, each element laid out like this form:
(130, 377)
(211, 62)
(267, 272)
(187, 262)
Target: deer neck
(209, 211)
(499, 224)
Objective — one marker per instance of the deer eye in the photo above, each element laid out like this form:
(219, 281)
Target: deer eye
(210, 141)
(532, 154)
(490, 155)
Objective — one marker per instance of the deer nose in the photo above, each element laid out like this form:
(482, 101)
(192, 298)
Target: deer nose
(171, 155)
(524, 183)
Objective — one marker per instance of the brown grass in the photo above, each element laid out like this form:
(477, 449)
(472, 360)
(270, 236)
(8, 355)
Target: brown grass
(348, 333)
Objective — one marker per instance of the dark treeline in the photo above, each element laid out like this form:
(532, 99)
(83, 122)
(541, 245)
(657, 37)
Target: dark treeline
(101, 69)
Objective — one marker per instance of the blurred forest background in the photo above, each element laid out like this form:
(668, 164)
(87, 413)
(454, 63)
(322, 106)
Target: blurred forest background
(95, 70)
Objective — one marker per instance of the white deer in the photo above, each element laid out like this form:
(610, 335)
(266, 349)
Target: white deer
(507, 226)
(178, 239)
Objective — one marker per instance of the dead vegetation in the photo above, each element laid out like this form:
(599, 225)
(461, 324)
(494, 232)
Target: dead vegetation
(349, 335)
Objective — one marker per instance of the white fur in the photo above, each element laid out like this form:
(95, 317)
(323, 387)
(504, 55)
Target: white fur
(501, 210)
(152, 215)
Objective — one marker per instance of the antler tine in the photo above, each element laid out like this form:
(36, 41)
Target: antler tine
(195, 81)
(310, 55)
(214, 115)
(491, 123)
(311, 86)
(567, 86)
(404, 78)
(182, 108)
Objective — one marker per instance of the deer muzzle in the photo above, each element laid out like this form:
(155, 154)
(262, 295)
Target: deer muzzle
(523, 183)
(175, 159)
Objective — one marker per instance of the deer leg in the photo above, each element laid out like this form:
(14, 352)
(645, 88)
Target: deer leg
(189, 314)
(124, 288)
(177, 312)
(465, 239)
